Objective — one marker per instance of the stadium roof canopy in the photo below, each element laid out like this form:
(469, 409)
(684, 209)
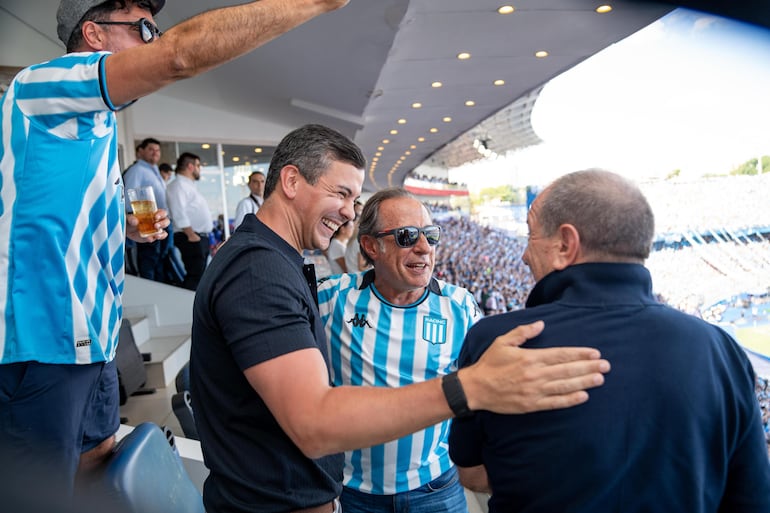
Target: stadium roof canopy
(361, 69)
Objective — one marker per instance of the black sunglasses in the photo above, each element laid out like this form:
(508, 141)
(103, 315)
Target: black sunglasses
(407, 236)
(149, 31)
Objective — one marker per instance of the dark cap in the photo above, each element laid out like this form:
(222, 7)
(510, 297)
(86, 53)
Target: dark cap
(72, 11)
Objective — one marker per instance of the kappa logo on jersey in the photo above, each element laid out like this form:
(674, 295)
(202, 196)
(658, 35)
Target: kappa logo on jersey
(359, 321)
(434, 330)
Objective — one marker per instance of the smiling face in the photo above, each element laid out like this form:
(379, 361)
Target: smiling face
(401, 274)
(327, 204)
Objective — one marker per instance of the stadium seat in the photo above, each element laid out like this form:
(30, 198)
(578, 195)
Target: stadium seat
(145, 475)
(181, 404)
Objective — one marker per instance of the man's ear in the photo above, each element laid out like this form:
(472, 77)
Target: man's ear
(93, 35)
(568, 250)
(290, 180)
(370, 245)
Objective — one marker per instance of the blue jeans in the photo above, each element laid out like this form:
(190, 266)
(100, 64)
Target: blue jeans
(442, 495)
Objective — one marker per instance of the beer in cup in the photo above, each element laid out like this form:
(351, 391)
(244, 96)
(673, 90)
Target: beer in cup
(143, 204)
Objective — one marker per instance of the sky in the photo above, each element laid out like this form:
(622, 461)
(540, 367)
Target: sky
(689, 92)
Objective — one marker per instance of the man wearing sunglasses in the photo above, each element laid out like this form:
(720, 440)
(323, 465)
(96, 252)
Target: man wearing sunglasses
(395, 325)
(62, 243)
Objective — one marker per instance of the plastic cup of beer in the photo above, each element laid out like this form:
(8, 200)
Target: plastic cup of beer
(143, 204)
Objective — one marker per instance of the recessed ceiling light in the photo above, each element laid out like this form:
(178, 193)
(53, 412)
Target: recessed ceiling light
(378, 154)
(393, 132)
(416, 105)
(506, 9)
(380, 148)
(385, 141)
(402, 121)
(603, 9)
(436, 85)
(257, 150)
(407, 153)
(463, 56)
(433, 130)
(421, 139)
(236, 159)
(499, 82)
(205, 146)
(541, 53)
(414, 147)
(446, 119)
(470, 103)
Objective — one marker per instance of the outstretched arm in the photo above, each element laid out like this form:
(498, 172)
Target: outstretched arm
(204, 42)
(322, 420)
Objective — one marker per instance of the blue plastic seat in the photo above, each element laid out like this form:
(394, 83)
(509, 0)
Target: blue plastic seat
(145, 475)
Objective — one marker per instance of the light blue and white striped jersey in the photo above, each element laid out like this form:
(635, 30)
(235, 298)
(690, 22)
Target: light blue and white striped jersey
(373, 342)
(62, 215)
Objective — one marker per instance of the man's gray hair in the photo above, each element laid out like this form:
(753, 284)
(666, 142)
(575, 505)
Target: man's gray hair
(370, 215)
(609, 212)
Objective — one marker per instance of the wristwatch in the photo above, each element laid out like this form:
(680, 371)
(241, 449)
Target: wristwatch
(455, 395)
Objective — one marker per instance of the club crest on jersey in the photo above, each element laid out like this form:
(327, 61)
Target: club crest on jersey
(434, 330)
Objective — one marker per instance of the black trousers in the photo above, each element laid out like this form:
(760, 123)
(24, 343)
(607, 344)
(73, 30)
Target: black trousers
(194, 256)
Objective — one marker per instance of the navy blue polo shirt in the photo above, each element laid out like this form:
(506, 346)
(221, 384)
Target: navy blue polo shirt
(676, 426)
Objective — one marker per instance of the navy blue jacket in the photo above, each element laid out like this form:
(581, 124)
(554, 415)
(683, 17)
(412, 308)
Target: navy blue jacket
(676, 427)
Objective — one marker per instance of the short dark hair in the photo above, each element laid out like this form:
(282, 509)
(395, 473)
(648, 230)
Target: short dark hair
(165, 167)
(609, 212)
(369, 222)
(256, 173)
(146, 142)
(184, 160)
(312, 148)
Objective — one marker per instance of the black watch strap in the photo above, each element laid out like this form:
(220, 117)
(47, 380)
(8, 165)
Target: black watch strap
(455, 395)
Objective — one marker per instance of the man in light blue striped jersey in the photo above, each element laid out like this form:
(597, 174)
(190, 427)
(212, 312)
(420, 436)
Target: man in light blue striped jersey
(63, 221)
(392, 326)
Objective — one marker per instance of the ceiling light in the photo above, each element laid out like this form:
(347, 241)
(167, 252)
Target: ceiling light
(470, 103)
(205, 146)
(257, 150)
(506, 9)
(407, 153)
(603, 9)
(436, 84)
(236, 159)
(433, 130)
(416, 105)
(413, 147)
(380, 148)
(446, 119)
(463, 56)
(421, 139)
(402, 121)
(385, 141)
(541, 53)
(378, 154)
(393, 132)
(499, 82)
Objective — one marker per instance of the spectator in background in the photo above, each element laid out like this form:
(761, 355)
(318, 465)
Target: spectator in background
(145, 173)
(337, 246)
(400, 310)
(251, 203)
(354, 260)
(192, 218)
(166, 171)
(675, 428)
